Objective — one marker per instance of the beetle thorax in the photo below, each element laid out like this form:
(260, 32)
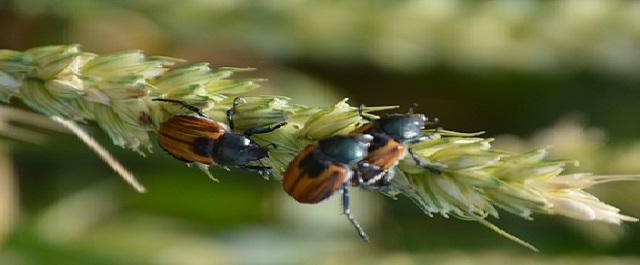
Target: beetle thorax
(344, 149)
(237, 149)
(402, 127)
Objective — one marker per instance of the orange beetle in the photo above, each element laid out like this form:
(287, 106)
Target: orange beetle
(391, 136)
(323, 168)
(203, 140)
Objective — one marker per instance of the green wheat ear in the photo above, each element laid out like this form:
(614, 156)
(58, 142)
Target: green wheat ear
(116, 91)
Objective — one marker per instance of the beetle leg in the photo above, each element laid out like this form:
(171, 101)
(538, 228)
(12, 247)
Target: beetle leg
(183, 104)
(249, 167)
(420, 139)
(377, 177)
(382, 183)
(265, 171)
(346, 210)
(232, 111)
(262, 170)
(252, 131)
(424, 164)
(386, 179)
(261, 130)
(418, 160)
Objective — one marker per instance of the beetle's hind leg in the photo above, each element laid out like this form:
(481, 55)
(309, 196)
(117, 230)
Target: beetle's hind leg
(261, 130)
(183, 104)
(346, 210)
(372, 177)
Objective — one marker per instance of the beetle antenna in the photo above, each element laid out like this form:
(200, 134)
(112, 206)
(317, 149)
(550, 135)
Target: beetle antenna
(346, 210)
(183, 104)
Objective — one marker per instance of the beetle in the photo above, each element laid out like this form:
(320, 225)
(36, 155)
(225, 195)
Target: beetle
(392, 134)
(324, 167)
(363, 159)
(201, 139)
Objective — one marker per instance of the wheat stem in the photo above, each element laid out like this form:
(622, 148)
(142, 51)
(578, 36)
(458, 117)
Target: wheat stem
(101, 152)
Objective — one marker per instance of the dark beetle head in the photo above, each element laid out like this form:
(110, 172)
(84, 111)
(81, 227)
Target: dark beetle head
(345, 149)
(237, 149)
(401, 127)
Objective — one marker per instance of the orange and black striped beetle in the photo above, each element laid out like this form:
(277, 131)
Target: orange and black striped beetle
(364, 159)
(324, 167)
(203, 140)
(391, 136)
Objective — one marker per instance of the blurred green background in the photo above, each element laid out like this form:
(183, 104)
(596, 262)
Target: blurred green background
(510, 68)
